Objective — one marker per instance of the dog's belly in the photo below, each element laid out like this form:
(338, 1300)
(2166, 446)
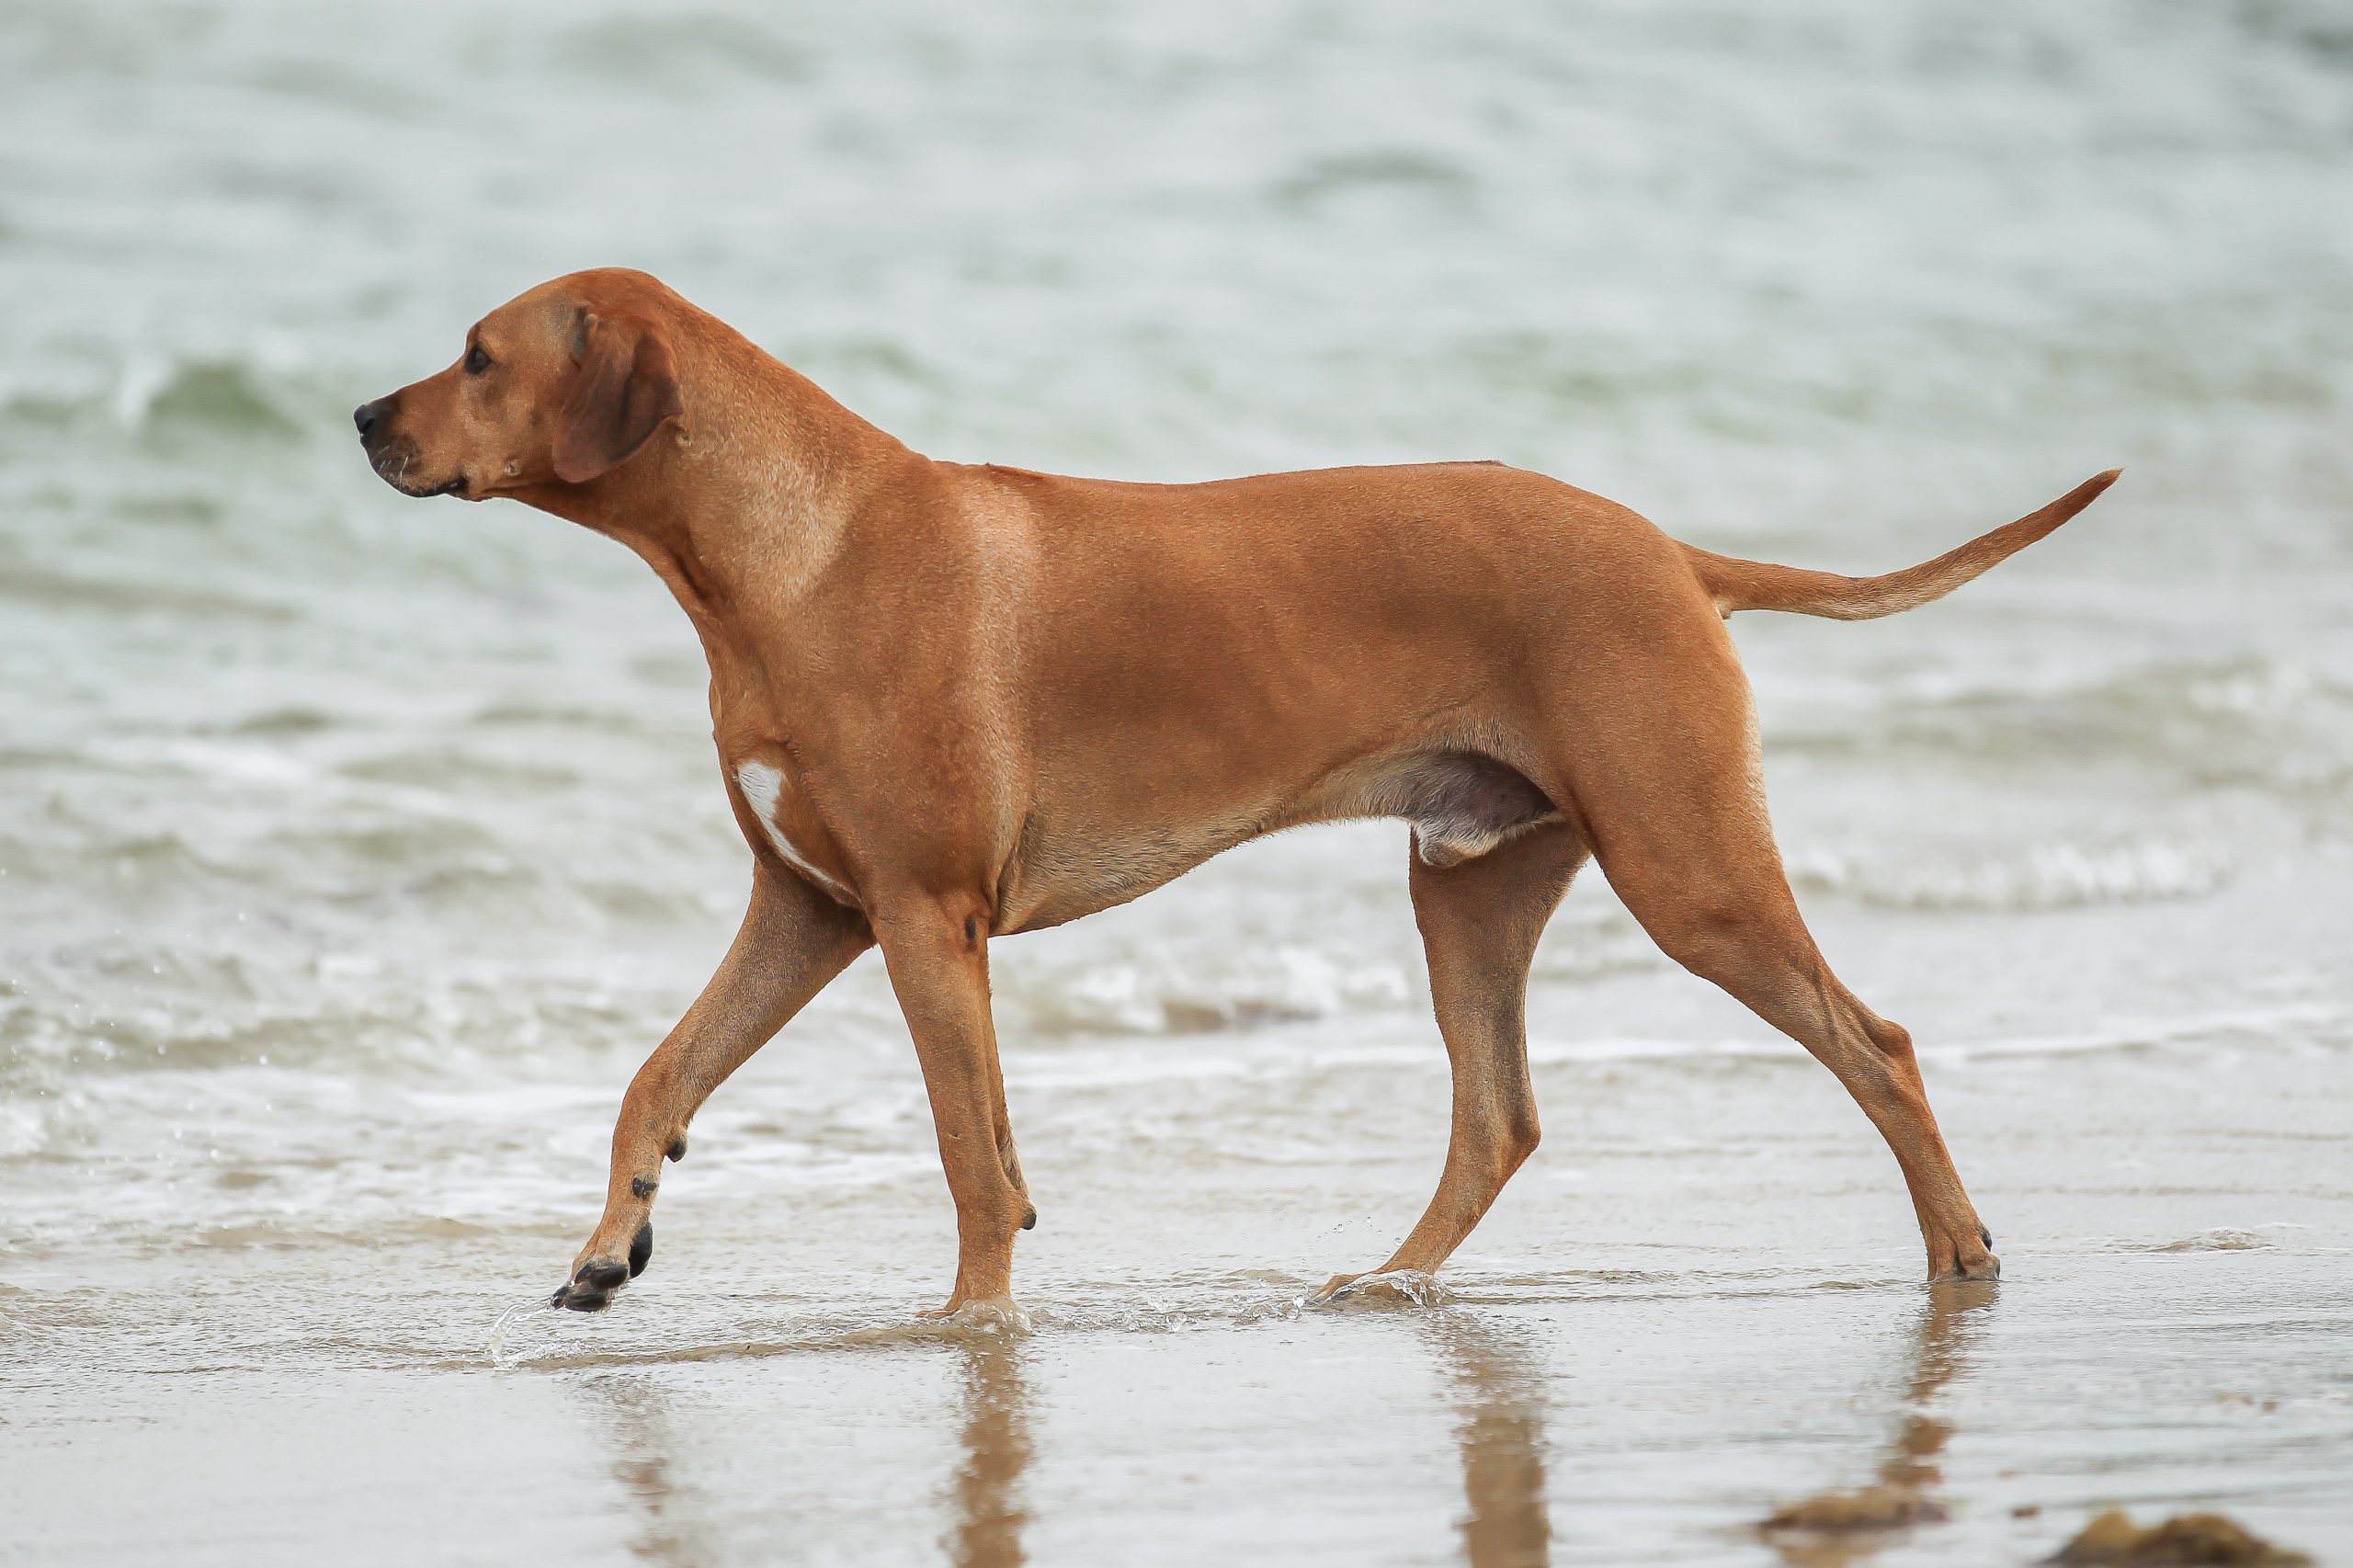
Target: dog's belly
(1070, 867)
(1461, 805)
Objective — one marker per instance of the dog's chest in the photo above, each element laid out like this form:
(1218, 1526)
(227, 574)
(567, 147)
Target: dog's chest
(764, 791)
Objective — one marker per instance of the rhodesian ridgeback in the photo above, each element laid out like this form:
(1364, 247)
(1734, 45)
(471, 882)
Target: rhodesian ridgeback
(954, 702)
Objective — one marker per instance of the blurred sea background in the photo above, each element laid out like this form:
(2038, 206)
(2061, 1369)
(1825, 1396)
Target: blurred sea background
(353, 851)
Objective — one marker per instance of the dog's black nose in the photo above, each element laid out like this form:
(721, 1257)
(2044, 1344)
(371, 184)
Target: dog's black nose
(367, 417)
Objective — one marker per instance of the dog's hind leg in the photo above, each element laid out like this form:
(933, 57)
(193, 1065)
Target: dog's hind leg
(795, 939)
(1749, 940)
(1479, 920)
(1667, 780)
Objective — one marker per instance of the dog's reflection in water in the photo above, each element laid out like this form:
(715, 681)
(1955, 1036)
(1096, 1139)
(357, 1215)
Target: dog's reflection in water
(986, 1492)
(666, 1527)
(1499, 1429)
(983, 1495)
(1841, 1528)
(1499, 1434)
(1497, 1385)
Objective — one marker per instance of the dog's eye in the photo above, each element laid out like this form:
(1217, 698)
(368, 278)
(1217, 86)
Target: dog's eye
(476, 360)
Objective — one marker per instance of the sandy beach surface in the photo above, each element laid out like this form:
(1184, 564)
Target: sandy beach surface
(1697, 1307)
(353, 851)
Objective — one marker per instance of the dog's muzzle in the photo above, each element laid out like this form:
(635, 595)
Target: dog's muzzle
(393, 456)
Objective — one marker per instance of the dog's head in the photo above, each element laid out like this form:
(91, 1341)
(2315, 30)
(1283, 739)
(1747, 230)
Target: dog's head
(561, 385)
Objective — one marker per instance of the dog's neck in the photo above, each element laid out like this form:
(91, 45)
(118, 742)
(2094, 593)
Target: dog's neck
(745, 500)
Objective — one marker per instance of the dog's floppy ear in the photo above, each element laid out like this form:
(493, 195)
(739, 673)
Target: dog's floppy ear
(626, 388)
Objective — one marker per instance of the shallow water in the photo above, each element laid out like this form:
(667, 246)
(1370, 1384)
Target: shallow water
(353, 850)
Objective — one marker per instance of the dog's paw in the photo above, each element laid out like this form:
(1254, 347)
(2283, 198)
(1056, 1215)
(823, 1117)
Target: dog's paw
(591, 1287)
(1964, 1257)
(995, 1314)
(1391, 1287)
(1984, 1267)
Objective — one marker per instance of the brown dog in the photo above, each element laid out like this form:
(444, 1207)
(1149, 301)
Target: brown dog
(955, 702)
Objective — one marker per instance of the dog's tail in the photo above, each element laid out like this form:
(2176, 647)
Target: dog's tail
(1736, 584)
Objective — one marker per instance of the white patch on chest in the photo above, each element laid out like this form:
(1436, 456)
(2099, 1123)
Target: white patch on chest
(761, 785)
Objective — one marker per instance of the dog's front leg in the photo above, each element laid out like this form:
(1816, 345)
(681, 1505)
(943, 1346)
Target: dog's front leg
(793, 940)
(937, 952)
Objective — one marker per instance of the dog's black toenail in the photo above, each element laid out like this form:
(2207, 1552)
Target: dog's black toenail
(641, 1249)
(677, 1150)
(560, 1292)
(1030, 1221)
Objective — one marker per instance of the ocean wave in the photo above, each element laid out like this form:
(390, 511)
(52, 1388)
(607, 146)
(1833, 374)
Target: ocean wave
(105, 1010)
(2221, 1239)
(2268, 723)
(681, 54)
(121, 594)
(2020, 880)
(1169, 992)
(1402, 170)
(270, 393)
(1217, 980)
(211, 397)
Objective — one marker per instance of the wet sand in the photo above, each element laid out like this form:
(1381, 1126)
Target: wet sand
(1611, 1419)
(1697, 1307)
